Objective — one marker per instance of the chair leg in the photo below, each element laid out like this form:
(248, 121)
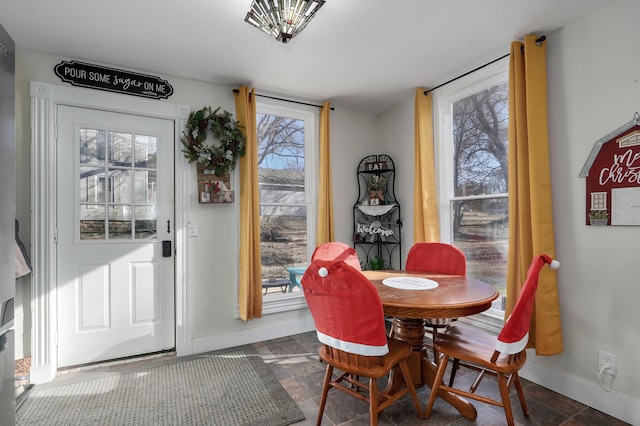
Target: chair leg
(325, 391)
(477, 381)
(454, 369)
(406, 373)
(434, 334)
(506, 402)
(373, 402)
(523, 402)
(436, 384)
(392, 329)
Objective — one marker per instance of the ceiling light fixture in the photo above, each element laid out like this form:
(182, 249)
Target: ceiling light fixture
(282, 19)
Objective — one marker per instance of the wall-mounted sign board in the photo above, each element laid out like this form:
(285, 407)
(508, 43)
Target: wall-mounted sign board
(376, 166)
(213, 188)
(612, 174)
(113, 80)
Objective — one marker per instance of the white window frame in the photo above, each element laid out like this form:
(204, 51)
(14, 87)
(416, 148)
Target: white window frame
(443, 99)
(282, 302)
(598, 201)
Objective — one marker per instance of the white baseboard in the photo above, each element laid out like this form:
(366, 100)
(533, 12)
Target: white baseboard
(252, 335)
(614, 404)
(184, 349)
(41, 374)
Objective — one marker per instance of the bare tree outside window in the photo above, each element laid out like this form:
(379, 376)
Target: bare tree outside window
(479, 206)
(283, 208)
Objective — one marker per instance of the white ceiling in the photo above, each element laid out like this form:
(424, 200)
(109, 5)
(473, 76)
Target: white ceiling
(366, 55)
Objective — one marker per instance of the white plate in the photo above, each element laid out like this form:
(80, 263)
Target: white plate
(410, 283)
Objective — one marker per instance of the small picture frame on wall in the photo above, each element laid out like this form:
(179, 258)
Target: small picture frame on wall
(212, 188)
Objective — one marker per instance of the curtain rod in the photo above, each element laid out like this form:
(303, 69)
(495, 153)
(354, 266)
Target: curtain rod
(286, 100)
(538, 41)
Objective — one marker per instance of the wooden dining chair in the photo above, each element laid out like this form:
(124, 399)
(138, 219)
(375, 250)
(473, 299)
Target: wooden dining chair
(349, 321)
(502, 356)
(336, 250)
(440, 258)
(436, 257)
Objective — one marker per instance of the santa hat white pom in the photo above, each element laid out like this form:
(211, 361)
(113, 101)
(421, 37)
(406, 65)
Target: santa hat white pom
(323, 272)
(554, 264)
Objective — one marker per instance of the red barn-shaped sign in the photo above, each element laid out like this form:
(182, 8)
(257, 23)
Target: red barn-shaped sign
(613, 178)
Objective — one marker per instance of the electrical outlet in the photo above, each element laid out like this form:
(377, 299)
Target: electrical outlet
(605, 358)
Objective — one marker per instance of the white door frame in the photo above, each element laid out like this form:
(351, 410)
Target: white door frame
(45, 98)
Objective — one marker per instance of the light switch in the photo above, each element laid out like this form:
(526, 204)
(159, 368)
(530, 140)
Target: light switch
(192, 229)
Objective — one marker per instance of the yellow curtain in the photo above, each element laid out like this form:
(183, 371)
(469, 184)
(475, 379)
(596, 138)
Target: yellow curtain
(250, 277)
(530, 205)
(324, 233)
(425, 204)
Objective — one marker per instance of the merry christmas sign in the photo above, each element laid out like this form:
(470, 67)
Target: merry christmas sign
(612, 175)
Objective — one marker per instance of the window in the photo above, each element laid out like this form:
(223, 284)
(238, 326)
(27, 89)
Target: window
(472, 118)
(117, 183)
(598, 201)
(287, 144)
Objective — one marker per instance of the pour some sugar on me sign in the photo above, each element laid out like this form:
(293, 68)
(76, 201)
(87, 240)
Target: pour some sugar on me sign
(113, 80)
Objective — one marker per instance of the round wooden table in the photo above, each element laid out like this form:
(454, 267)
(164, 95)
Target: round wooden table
(455, 296)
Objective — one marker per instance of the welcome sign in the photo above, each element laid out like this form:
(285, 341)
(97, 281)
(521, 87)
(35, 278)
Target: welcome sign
(113, 80)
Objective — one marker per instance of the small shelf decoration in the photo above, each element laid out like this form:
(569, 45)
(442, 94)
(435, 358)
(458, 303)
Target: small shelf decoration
(377, 263)
(375, 210)
(377, 186)
(212, 188)
(376, 214)
(214, 160)
(612, 174)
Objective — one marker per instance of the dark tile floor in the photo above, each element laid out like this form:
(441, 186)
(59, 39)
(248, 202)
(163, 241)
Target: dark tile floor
(294, 361)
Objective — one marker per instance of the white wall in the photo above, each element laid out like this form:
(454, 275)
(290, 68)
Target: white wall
(354, 135)
(397, 130)
(214, 259)
(593, 70)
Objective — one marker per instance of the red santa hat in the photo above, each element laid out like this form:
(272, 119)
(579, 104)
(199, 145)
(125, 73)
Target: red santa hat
(336, 250)
(346, 308)
(515, 334)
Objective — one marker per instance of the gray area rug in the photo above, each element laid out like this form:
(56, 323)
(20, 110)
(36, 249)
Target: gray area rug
(226, 389)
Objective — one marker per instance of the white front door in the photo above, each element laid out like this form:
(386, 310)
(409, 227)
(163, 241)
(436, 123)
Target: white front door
(115, 283)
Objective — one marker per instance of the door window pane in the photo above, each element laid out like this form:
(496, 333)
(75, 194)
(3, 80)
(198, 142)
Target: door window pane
(117, 195)
(92, 146)
(92, 220)
(92, 185)
(121, 191)
(145, 222)
(120, 149)
(120, 222)
(146, 151)
(146, 184)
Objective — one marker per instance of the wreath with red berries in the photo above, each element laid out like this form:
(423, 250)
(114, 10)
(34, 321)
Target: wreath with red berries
(222, 157)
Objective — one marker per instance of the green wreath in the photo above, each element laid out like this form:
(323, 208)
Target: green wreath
(220, 158)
